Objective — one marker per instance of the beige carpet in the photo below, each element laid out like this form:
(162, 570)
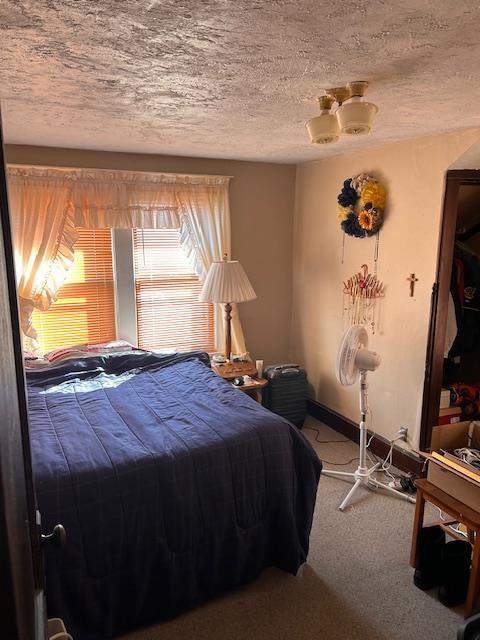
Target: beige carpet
(357, 583)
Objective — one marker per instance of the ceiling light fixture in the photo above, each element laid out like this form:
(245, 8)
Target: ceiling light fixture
(353, 115)
(324, 128)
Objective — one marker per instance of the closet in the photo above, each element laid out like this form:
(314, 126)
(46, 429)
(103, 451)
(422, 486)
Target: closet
(452, 372)
(461, 370)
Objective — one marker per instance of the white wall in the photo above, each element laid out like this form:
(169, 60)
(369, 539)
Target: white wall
(414, 173)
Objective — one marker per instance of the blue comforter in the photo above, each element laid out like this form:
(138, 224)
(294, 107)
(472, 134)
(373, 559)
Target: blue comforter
(172, 486)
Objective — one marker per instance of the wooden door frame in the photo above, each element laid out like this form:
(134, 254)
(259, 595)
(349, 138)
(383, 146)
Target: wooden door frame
(439, 305)
(21, 579)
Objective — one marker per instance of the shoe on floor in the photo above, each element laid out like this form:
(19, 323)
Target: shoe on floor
(455, 573)
(431, 543)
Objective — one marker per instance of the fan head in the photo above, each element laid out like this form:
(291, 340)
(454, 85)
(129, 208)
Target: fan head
(353, 355)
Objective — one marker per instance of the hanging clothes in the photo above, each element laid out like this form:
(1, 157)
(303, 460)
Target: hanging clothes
(465, 293)
(452, 326)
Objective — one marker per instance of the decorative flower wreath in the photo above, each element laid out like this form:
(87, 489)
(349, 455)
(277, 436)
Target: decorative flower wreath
(371, 194)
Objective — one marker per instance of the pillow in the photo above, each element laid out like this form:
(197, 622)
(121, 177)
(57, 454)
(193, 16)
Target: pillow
(85, 350)
(31, 361)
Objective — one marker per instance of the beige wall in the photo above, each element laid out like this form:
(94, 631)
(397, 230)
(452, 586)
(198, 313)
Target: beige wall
(413, 172)
(262, 202)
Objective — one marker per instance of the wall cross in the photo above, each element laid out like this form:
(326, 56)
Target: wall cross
(412, 279)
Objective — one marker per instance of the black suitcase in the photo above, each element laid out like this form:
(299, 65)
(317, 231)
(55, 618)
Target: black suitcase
(286, 392)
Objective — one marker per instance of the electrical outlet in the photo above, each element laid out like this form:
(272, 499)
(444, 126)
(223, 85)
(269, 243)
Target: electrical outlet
(403, 433)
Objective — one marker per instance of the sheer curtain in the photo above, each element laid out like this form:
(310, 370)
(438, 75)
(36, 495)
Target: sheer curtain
(44, 236)
(47, 205)
(205, 236)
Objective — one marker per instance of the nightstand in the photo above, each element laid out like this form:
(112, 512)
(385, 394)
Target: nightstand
(254, 388)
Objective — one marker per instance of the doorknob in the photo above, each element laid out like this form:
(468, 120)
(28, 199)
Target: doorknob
(58, 536)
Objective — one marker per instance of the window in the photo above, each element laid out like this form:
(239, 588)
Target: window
(169, 314)
(84, 311)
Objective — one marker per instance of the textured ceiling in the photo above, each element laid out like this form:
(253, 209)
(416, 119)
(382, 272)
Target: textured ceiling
(232, 79)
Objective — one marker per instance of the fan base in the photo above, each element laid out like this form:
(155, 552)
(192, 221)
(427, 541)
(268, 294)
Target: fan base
(364, 477)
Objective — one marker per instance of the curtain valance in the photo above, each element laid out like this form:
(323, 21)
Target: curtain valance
(122, 199)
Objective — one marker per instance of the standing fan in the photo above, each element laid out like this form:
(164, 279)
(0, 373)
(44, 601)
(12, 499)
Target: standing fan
(353, 362)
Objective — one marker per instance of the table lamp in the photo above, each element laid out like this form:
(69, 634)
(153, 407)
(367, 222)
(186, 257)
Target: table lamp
(227, 282)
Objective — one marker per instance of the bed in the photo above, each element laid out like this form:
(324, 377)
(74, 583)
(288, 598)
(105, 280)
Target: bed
(172, 487)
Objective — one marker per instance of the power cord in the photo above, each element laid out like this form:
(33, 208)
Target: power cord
(325, 441)
(343, 464)
(386, 463)
(340, 464)
(451, 526)
(337, 464)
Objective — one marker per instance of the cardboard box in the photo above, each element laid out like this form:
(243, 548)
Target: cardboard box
(449, 415)
(445, 399)
(449, 437)
(455, 436)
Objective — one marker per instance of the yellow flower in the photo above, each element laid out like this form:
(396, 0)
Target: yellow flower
(373, 192)
(342, 212)
(366, 220)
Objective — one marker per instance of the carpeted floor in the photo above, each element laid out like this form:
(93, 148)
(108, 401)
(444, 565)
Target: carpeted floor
(357, 583)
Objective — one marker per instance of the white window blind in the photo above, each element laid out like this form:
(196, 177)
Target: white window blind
(169, 314)
(84, 311)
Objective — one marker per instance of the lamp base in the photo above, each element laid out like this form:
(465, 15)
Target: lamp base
(228, 331)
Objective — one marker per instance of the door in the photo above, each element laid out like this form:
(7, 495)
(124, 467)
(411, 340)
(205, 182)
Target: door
(21, 581)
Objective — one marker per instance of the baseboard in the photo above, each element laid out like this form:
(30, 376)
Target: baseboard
(402, 459)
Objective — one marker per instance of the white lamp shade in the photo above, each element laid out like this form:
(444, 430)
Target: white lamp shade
(226, 281)
(356, 117)
(323, 129)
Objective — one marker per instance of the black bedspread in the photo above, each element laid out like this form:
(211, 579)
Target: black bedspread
(172, 486)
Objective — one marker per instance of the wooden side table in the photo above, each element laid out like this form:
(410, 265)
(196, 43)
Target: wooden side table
(428, 492)
(254, 388)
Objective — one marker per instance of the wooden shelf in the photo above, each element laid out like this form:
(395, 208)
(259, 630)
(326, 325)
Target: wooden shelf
(257, 383)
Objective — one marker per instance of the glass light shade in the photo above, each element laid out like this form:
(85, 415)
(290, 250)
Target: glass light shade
(356, 118)
(323, 128)
(226, 281)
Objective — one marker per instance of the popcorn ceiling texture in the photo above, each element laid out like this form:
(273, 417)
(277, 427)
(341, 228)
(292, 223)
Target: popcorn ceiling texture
(232, 79)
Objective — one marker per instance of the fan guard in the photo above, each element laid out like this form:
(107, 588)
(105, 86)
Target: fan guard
(354, 339)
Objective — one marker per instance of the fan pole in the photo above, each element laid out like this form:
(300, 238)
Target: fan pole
(362, 467)
(363, 475)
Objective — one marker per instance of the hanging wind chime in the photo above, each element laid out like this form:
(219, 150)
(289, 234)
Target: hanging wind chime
(360, 209)
(360, 295)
